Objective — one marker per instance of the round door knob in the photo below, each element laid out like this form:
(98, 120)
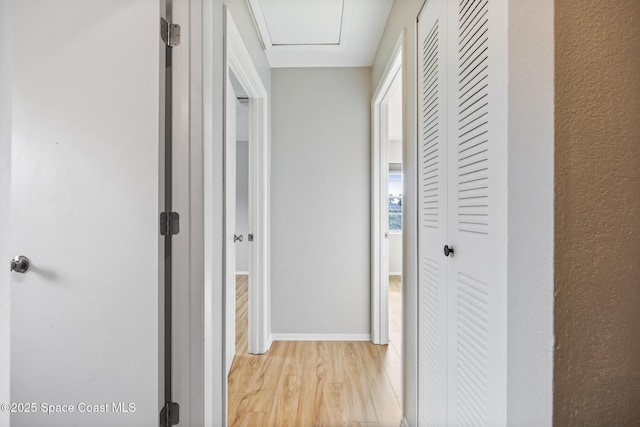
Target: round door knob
(237, 238)
(448, 251)
(20, 264)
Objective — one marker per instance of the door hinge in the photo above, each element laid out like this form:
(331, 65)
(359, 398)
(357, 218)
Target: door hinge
(170, 33)
(170, 414)
(169, 223)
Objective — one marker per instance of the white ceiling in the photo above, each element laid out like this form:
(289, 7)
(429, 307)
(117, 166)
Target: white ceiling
(320, 33)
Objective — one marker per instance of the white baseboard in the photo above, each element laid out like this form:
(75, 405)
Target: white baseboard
(404, 423)
(321, 337)
(242, 273)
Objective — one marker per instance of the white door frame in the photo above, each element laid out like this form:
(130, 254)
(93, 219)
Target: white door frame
(215, 36)
(379, 243)
(239, 61)
(207, 103)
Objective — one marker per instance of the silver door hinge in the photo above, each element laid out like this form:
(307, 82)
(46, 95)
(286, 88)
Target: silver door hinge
(169, 223)
(170, 33)
(170, 414)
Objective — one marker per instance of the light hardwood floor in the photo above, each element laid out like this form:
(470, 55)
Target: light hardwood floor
(316, 383)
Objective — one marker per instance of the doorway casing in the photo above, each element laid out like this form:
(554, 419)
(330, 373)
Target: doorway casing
(389, 82)
(240, 63)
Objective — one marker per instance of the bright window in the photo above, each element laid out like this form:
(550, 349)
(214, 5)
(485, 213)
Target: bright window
(395, 197)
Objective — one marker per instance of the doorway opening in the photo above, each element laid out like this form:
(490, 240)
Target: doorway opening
(386, 199)
(394, 205)
(386, 219)
(243, 231)
(237, 221)
(252, 250)
(246, 195)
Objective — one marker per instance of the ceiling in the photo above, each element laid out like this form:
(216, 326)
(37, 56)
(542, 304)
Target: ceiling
(320, 33)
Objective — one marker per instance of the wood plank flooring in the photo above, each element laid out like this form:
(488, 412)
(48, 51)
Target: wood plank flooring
(315, 383)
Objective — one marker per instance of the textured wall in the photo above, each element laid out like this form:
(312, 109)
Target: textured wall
(597, 308)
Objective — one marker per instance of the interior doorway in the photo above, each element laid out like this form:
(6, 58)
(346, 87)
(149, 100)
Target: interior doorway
(392, 144)
(387, 214)
(386, 201)
(246, 195)
(242, 227)
(248, 241)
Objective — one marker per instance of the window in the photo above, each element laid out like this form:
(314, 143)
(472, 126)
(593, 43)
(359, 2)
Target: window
(395, 196)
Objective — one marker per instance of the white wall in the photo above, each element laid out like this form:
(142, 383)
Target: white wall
(531, 213)
(395, 115)
(242, 204)
(242, 121)
(5, 198)
(395, 253)
(394, 153)
(321, 201)
(239, 10)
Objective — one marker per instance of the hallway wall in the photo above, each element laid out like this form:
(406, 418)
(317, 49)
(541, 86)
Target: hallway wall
(597, 262)
(320, 205)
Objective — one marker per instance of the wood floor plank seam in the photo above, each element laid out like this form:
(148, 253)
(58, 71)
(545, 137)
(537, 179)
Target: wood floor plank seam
(314, 383)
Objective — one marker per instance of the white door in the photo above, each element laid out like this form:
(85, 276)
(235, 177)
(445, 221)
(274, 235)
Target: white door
(432, 214)
(462, 296)
(477, 270)
(85, 185)
(230, 225)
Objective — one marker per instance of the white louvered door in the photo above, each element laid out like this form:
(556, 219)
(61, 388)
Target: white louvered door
(462, 199)
(432, 213)
(469, 204)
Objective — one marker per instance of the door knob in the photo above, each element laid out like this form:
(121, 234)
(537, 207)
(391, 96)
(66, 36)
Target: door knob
(237, 238)
(448, 251)
(20, 264)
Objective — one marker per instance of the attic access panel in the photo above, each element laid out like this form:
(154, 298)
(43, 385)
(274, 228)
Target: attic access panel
(303, 22)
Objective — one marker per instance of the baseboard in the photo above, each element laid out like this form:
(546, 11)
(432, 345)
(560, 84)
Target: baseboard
(321, 337)
(242, 273)
(404, 423)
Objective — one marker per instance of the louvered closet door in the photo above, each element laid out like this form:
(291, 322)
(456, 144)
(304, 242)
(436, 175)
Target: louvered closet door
(462, 203)
(432, 214)
(477, 341)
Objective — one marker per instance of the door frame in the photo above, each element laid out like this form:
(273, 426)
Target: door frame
(379, 243)
(211, 40)
(259, 311)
